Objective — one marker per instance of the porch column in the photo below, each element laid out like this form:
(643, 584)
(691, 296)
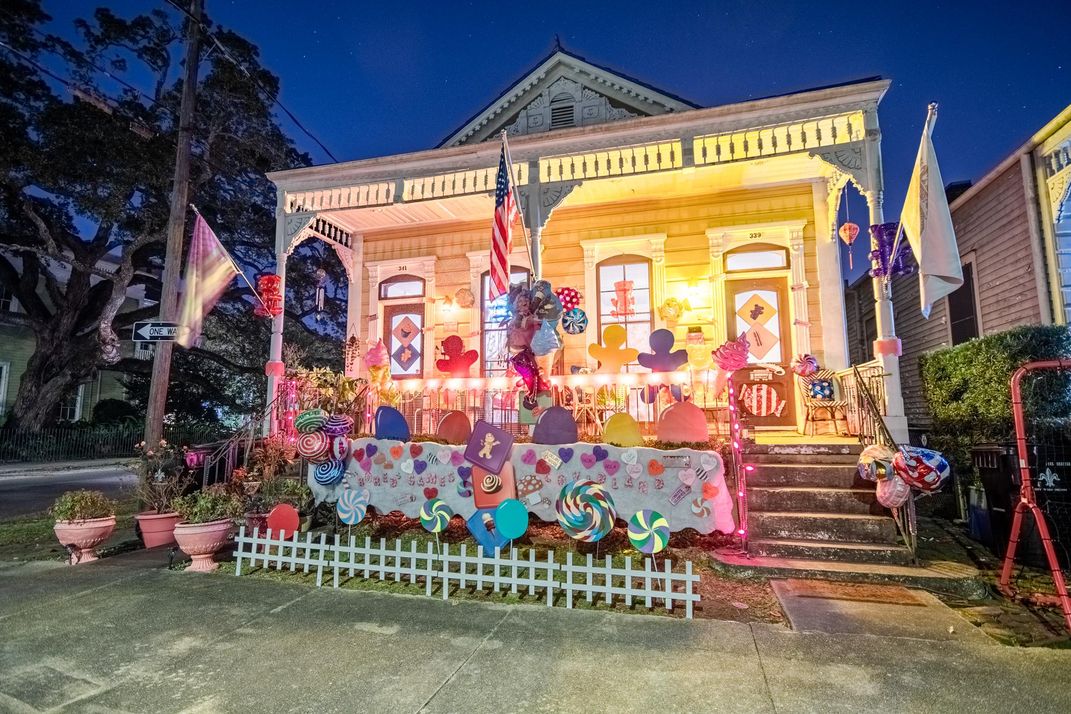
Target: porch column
(275, 369)
(353, 262)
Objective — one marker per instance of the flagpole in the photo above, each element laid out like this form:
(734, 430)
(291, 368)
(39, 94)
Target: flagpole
(927, 128)
(234, 265)
(517, 202)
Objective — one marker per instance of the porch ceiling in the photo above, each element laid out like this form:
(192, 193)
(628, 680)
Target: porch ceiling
(472, 207)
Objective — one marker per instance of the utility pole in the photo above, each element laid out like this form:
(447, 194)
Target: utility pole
(176, 228)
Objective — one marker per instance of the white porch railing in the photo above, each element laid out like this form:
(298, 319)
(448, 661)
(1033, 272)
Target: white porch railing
(862, 422)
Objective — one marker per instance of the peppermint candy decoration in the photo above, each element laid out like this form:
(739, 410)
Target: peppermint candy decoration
(352, 506)
(574, 321)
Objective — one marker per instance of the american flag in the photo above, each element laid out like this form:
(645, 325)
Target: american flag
(502, 230)
(209, 271)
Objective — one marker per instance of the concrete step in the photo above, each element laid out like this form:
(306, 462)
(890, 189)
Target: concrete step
(823, 550)
(840, 527)
(817, 500)
(804, 449)
(795, 458)
(812, 475)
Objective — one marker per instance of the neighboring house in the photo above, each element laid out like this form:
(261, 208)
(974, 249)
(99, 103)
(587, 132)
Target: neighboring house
(17, 345)
(629, 192)
(1014, 232)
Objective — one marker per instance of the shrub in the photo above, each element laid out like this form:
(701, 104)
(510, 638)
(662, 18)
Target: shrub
(82, 505)
(967, 387)
(214, 503)
(114, 411)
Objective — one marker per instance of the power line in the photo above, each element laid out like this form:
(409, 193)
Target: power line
(273, 97)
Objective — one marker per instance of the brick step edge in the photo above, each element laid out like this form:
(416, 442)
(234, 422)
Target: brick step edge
(843, 552)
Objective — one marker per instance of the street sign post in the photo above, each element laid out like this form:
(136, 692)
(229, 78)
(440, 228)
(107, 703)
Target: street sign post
(155, 331)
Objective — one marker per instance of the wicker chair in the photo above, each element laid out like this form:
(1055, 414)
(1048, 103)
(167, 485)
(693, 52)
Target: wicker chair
(832, 413)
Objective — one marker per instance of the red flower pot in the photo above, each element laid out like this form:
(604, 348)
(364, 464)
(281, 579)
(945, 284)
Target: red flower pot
(200, 541)
(84, 536)
(157, 528)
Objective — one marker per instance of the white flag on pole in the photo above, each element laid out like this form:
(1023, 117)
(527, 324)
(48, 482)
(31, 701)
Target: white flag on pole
(927, 223)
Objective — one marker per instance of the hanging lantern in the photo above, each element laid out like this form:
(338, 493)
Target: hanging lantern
(321, 291)
(271, 299)
(351, 353)
(848, 233)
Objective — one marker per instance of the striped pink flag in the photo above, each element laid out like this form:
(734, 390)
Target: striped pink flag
(502, 230)
(209, 270)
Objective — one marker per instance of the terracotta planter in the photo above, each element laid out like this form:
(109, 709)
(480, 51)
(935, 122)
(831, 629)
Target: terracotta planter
(84, 536)
(157, 528)
(256, 520)
(200, 541)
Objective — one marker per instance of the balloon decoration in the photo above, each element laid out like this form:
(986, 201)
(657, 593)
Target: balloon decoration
(612, 354)
(585, 510)
(454, 427)
(568, 297)
(920, 468)
(271, 299)
(848, 233)
(283, 520)
(314, 446)
(310, 421)
(546, 340)
(574, 321)
(623, 301)
(456, 361)
(875, 463)
(804, 365)
(338, 425)
(893, 492)
(662, 357)
(511, 519)
(329, 472)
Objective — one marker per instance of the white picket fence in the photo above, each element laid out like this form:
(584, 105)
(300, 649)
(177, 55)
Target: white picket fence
(438, 565)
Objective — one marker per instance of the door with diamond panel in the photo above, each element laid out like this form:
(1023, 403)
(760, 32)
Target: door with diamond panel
(759, 309)
(403, 334)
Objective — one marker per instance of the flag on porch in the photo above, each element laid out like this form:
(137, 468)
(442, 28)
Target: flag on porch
(502, 229)
(927, 224)
(209, 270)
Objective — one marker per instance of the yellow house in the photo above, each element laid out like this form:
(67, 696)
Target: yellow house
(708, 222)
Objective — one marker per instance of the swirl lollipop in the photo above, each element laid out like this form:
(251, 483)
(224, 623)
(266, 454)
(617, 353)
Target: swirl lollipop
(338, 425)
(310, 420)
(648, 531)
(585, 510)
(329, 472)
(314, 446)
(352, 506)
(435, 515)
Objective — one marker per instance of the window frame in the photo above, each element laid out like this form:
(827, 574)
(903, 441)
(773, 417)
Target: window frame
(968, 262)
(755, 248)
(625, 259)
(484, 283)
(403, 278)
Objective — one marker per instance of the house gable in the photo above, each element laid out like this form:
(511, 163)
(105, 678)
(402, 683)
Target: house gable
(565, 91)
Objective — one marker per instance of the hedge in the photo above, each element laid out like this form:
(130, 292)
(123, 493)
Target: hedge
(967, 386)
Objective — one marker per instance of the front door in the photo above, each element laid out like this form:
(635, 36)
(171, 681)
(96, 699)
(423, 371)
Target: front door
(759, 309)
(403, 334)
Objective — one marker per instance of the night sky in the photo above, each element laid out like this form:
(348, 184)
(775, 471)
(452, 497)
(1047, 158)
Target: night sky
(371, 79)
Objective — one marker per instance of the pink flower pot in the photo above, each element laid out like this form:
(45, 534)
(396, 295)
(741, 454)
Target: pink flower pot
(200, 541)
(84, 536)
(157, 528)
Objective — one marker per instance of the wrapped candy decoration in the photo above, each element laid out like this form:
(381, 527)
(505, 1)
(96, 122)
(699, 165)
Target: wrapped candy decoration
(568, 297)
(923, 469)
(875, 463)
(804, 365)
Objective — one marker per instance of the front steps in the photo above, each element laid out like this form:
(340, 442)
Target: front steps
(807, 502)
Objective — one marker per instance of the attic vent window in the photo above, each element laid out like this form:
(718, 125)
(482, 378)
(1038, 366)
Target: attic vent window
(562, 113)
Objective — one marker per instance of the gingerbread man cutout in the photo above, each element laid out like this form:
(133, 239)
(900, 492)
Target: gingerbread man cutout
(457, 362)
(612, 354)
(661, 358)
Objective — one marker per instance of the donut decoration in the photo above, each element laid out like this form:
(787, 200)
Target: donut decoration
(569, 298)
(804, 365)
(648, 531)
(585, 511)
(328, 473)
(338, 425)
(574, 321)
(310, 421)
(314, 446)
(352, 506)
(919, 468)
(893, 492)
(875, 463)
(340, 447)
(435, 515)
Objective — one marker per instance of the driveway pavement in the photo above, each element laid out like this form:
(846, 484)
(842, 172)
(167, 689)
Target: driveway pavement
(33, 491)
(126, 635)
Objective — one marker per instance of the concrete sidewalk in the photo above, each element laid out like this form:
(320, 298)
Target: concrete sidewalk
(126, 635)
(35, 467)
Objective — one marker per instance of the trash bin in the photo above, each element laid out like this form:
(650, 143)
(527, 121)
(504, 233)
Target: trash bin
(998, 469)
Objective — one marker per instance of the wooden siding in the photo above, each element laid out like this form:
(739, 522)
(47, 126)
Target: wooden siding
(684, 221)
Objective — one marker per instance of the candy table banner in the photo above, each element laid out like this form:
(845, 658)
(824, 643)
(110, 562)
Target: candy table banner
(686, 486)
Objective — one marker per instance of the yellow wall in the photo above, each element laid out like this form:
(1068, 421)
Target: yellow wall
(684, 222)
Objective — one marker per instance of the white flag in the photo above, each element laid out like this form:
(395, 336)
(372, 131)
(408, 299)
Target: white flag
(927, 223)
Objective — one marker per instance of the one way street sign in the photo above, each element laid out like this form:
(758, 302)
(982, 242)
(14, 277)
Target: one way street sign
(155, 331)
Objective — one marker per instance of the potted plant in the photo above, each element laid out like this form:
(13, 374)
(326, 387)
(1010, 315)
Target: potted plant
(84, 520)
(161, 479)
(208, 518)
(273, 492)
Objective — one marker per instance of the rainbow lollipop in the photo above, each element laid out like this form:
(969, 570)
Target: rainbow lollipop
(311, 420)
(352, 506)
(648, 531)
(585, 510)
(329, 472)
(435, 515)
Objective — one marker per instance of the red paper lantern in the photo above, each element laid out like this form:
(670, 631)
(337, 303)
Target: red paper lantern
(271, 299)
(848, 233)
